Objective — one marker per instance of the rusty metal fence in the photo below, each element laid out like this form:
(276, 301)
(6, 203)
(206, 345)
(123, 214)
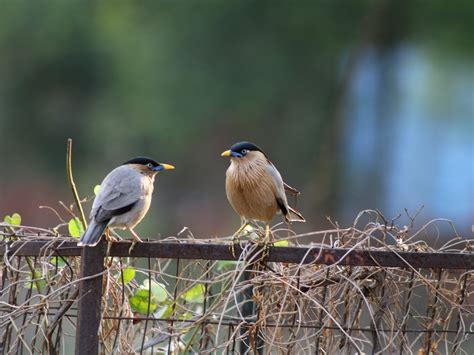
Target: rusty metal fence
(194, 296)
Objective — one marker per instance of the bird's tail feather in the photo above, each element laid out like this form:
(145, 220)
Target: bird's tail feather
(92, 234)
(294, 216)
(290, 190)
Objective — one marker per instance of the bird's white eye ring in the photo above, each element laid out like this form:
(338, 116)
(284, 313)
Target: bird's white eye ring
(150, 165)
(244, 151)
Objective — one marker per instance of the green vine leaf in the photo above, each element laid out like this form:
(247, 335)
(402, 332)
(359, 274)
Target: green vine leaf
(128, 275)
(76, 229)
(195, 294)
(13, 220)
(185, 316)
(157, 289)
(226, 264)
(164, 312)
(142, 302)
(148, 296)
(60, 262)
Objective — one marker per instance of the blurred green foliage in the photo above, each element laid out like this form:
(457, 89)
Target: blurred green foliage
(182, 80)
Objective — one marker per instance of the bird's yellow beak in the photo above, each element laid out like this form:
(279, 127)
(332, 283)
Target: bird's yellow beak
(167, 166)
(226, 153)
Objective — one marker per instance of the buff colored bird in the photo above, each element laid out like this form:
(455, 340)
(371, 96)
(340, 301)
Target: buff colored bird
(255, 188)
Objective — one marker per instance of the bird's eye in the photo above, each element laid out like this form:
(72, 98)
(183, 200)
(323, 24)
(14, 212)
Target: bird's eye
(244, 151)
(150, 165)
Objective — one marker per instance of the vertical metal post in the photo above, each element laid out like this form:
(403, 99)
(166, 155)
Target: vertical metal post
(248, 312)
(90, 297)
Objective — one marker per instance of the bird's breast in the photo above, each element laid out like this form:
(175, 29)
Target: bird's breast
(251, 193)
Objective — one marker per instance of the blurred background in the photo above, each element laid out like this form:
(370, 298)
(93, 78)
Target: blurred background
(360, 104)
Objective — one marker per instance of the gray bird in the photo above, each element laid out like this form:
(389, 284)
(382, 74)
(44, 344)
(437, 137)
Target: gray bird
(255, 188)
(123, 199)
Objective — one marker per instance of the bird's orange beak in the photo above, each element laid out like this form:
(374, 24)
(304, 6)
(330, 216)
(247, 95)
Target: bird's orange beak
(226, 153)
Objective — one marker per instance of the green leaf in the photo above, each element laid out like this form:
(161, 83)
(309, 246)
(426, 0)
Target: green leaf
(164, 312)
(185, 316)
(141, 292)
(38, 276)
(224, 264)
(13, 220)
(195, 294)
(157, 289)
(128, 275)
(16, 219)
(76, 229)
(281, 243)
(142, 302)
(59, 261)
(96, 189)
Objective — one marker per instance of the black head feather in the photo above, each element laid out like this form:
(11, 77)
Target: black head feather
(142, 161)
(238, 147)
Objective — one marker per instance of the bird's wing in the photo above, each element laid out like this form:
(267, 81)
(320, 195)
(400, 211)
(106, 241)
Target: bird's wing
(119, 191)
(291, 215)
(278, 182)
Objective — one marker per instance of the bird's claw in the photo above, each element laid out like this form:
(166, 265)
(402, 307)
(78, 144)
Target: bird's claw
(235, 240)
(266, 243)
(266, 249)
(132, 246)
(109, 246)
(136, 239)
(111, 239)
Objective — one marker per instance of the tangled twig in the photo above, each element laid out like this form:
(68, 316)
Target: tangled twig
(298, 308)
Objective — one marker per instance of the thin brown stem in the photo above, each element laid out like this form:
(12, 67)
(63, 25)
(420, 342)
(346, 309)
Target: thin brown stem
(71, 182)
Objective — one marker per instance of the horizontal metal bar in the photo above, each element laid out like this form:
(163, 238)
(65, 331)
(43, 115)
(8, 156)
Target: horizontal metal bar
(326, 256)
(269, 325)
(284, 325)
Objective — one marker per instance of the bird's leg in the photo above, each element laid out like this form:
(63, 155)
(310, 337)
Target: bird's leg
(235, 236)
(135, 236)
(110, 240)
(136, 239)
(267, 233)
(266, 241)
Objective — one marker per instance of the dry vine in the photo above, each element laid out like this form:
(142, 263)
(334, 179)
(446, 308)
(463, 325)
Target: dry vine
(285, 308)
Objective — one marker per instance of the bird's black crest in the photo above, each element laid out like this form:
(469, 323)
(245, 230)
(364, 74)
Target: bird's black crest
(142, 161)
(237, 147)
